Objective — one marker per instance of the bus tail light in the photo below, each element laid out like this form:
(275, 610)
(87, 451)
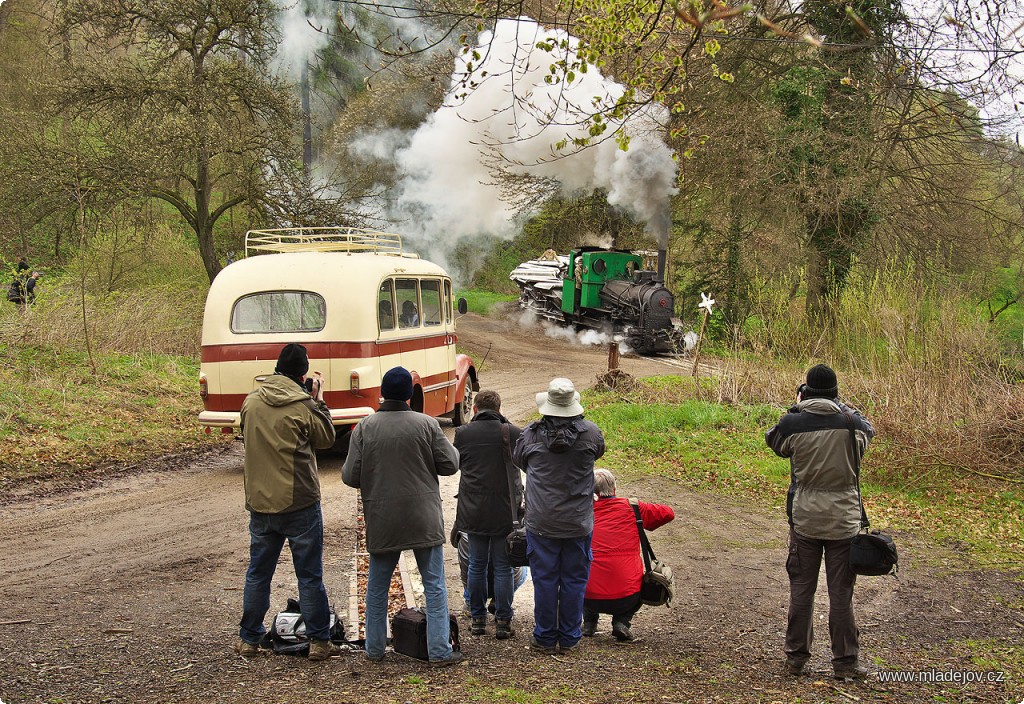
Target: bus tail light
(204, 391)
(353, 382)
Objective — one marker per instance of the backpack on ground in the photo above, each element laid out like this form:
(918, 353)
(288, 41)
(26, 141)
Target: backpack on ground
(287, 634)
(409, 633)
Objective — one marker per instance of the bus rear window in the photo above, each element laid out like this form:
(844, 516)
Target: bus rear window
(279, 311)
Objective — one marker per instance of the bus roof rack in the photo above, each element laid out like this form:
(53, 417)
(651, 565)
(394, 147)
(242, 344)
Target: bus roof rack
(322, 239)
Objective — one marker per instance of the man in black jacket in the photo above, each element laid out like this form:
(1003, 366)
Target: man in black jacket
(485, 508)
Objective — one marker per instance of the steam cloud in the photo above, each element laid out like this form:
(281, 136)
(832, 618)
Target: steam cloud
(448, 190)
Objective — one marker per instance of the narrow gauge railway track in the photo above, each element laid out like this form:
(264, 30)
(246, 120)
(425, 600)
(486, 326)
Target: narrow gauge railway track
(402, 593)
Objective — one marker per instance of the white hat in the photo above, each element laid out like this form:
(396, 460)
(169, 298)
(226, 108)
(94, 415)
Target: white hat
(561, 399)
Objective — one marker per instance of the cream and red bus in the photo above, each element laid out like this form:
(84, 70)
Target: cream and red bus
(360, 305)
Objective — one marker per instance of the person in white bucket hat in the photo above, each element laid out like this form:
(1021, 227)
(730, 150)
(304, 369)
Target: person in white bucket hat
(558, 454)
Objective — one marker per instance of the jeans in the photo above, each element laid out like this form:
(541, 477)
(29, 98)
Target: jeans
(484, 549)
(560, 568)
(304, 530)
(431, 565)
(803, 565)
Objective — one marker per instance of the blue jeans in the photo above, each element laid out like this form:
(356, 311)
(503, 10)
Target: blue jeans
(304, 530)
(560, 568)
(382, 567)
(484, 549)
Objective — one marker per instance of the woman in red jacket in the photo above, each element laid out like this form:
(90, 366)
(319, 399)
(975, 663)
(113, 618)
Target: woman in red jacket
(618, 566)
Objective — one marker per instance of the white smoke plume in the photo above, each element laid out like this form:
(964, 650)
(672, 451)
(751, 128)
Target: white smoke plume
(305, 29)
(448, 192)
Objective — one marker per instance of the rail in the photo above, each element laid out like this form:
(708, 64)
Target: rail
(322, 239)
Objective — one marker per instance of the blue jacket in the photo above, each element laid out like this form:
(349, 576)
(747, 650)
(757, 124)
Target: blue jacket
(558, 456)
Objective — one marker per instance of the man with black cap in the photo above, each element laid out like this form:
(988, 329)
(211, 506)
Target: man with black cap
(558, 454)
(395, 458)
(823, 439)
(282, 427)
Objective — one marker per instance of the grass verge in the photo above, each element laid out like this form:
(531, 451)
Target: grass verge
(662, 427)
(482, 301)
(60, 418)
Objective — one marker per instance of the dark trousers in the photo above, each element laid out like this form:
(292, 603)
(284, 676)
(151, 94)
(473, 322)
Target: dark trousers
(621, 610)
(560, 568)
(803, 566)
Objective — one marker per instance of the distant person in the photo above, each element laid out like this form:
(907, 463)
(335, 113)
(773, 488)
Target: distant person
(824, 516)
(395, 458)
(409, 318)
(618, 567)
(558, 454)
(282, 426)
(16, 293)
(385, 316)
(30, 287)
(485, 509)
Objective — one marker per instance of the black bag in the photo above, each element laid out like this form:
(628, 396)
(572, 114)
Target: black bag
(515, 546)
(873, 554)
(287, 634)
(409, 633)
(658, 585)
(515, 542)
(16, 293)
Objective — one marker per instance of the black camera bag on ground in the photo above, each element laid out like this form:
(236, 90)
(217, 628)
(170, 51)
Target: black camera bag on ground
(409, 633)
(872, 553)
(287, 634)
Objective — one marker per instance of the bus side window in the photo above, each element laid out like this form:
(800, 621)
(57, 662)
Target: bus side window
(430, 291)
(407, 299)
(386, 307)
(448, 301)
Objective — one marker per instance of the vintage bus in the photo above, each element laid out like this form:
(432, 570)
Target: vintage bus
(358, 302)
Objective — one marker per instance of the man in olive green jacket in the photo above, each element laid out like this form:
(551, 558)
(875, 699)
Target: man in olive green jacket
(283, 426)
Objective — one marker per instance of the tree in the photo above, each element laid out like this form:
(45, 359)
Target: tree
(184, 90)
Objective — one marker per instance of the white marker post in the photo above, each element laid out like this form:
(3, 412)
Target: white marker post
(706, 304)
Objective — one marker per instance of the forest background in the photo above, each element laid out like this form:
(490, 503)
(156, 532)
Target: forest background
(846, 184)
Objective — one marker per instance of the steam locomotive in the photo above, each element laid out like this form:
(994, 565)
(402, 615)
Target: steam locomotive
(605, 290)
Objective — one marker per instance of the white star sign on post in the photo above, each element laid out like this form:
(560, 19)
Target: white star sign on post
(706, 302)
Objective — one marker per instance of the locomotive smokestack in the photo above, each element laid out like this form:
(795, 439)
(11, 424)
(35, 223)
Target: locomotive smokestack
(662, 254)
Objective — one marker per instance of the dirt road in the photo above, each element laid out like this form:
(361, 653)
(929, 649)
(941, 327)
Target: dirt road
(131, 591)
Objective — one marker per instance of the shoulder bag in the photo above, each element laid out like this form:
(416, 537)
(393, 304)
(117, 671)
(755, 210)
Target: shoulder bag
(872, 553)
(658, 585)
(515, 542)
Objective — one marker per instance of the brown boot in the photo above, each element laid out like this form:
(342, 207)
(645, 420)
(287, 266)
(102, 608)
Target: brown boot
(323, 649)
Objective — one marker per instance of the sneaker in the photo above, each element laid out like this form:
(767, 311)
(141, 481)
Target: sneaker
(323, 649)
(454, 659)
(375, 658)
(478, 627)
(589, 629)
(246, 649)
(503, 629)
(793, 668)
(621, 632)
(538, 648)
(568, 648)
(856, 671)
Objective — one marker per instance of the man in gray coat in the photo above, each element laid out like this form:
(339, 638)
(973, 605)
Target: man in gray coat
(395, 458)
(824, 516)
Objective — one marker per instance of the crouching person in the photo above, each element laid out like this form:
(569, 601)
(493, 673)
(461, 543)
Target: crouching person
(618, 567)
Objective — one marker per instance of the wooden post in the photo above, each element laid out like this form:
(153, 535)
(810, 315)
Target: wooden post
(613, 355)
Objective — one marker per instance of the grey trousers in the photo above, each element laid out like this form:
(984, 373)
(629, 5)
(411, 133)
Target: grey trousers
(803, 566)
